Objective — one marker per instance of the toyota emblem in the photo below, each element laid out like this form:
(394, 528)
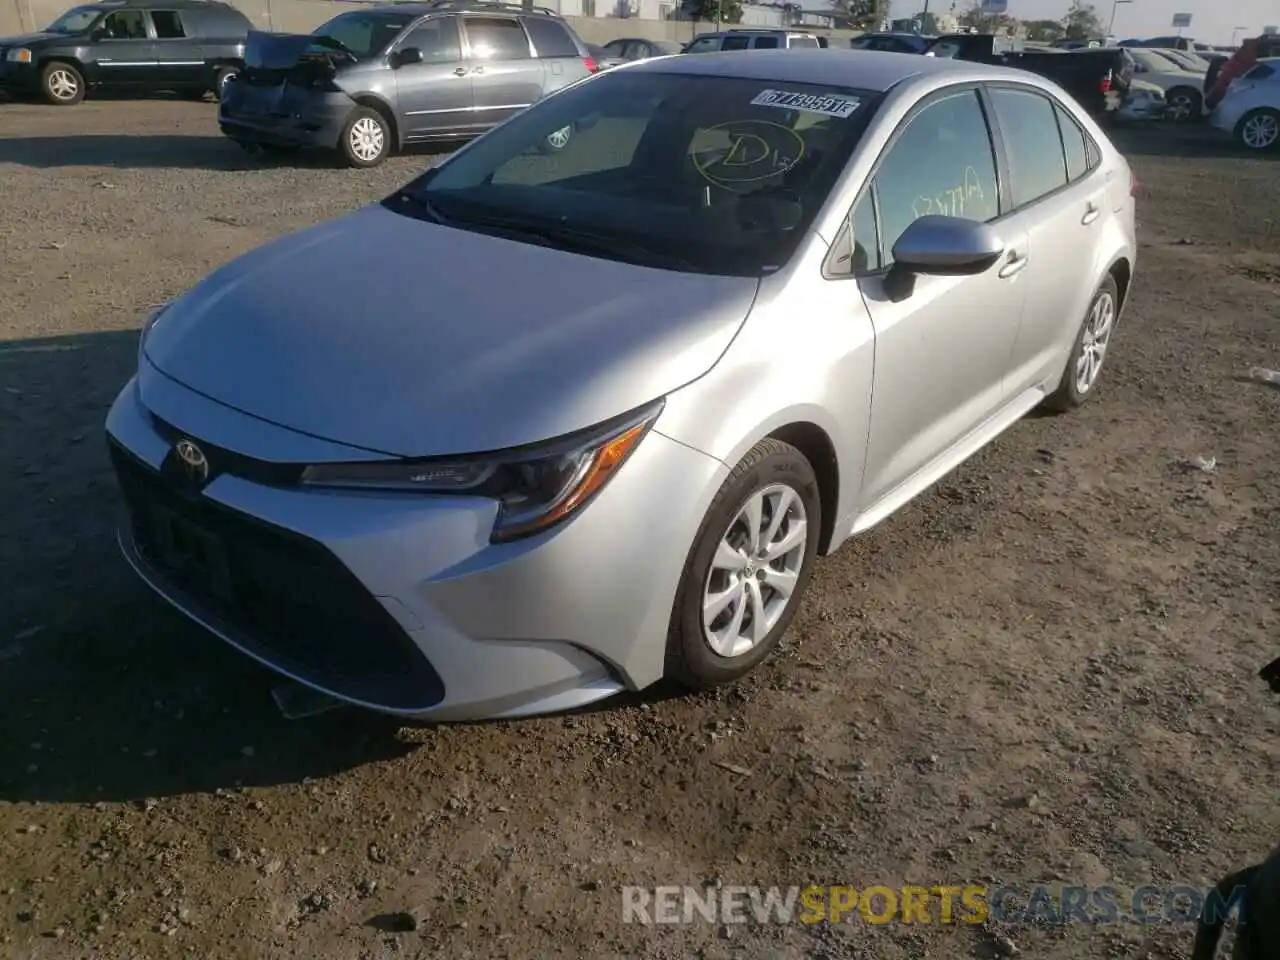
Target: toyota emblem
(194, 463)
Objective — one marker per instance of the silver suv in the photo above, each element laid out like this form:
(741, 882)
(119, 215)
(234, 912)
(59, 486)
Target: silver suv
(373, 79)
(754, 40)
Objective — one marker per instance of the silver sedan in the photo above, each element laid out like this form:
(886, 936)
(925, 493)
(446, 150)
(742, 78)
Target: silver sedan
(538, 428)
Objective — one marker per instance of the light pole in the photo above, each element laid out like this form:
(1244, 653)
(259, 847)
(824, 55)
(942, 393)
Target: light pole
(1111, 26)
(1234, 31)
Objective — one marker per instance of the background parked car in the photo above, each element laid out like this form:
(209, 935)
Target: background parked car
(893, 42)
(752, 40)
(1250, 110)
(373, 79)
(1187, 59)
(1144, 101)
(626, 49)
(1182, 88)
(144, 46)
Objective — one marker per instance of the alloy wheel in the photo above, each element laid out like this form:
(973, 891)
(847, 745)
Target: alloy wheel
(559, 139)
(1094, 342)
(63, 85)
(367, 139)
(755, 570)
(1260, 131)
(1181, 107)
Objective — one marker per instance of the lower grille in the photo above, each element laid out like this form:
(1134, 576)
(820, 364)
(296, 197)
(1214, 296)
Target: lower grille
(288, 595)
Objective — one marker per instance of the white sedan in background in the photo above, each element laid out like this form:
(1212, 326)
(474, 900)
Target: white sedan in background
(1250, 111)
(1182, 88)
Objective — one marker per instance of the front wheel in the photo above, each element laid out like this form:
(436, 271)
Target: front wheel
(366, 139)
(1184, 104)
(1089, 350)
(61, 84)
(1259, 129)
(749, 566)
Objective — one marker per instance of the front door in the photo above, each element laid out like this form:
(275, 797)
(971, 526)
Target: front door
(126, 55)
(179, 58)
(505, 77)
(434, 96)
(941, 354)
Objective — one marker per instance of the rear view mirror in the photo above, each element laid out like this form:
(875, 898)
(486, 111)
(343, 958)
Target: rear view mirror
(407, 56)
(941, 246)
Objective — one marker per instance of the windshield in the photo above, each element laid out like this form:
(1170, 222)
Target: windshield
(364, 34)
(716, 175)
(75, 20)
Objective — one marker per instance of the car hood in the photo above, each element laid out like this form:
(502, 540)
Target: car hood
(413, 339)
(31, 38)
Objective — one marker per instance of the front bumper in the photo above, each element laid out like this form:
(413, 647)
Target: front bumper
(400, 603)
(21, 78)
(1143, 110)
(283, 116)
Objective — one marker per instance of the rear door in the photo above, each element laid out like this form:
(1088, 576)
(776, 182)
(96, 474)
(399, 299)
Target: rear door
(1059, 192)
(179, 58)
(557, 51)
(505, 76)
(126, 55)
(435, 96)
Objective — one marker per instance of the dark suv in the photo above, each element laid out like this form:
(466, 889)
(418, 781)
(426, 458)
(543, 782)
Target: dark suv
(373, 79)
(185, 46)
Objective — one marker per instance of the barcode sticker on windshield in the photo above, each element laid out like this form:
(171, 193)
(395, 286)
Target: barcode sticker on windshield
(808, 102)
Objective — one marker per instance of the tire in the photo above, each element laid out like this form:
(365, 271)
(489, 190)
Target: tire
(1185, 104)
(61, 84)
(1072, 392)
(772, 473)
(1259, 130)
(365, 129)
(557, 140)
(220, 79)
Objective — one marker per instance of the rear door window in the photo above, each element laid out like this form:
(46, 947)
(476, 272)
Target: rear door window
(766, 43)
(736, 43)
(1031, 139)
(804, 43)
(551, 39)
(497, 38)
(437, 39)
(168, 24)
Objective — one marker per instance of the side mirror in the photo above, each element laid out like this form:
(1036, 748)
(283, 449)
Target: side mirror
(406, 56)
(941, 246)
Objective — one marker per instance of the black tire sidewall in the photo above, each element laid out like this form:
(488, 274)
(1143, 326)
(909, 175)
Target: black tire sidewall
(1068, 396)
(690, 660)
(48, 71)
(220, 77)
(344, 146)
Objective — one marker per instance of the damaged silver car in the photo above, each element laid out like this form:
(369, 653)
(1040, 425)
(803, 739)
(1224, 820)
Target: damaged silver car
(372, 80)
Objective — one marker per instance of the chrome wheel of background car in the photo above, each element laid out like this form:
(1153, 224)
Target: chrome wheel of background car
(1094, 342)
(63, 84)
(367, 139)
(559, 139)
(1260, 131)
(221, 81)
(755, 570)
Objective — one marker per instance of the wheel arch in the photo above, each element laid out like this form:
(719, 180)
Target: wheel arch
(816, 446)
(375, 102)
(69, 59)
(1121, 271)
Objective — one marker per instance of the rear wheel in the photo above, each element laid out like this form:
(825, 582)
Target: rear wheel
(1259, 129)
(1090, 349)
(221, 78)
(61, 84)
(556, 140)
(1184, 104)
(366, 139)
(748, 568)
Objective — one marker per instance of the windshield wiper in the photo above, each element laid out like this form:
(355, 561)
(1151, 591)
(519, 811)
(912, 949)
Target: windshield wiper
(421, 207)
(576, 240)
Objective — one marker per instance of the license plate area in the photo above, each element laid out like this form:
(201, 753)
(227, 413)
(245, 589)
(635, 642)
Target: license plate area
(192, 553)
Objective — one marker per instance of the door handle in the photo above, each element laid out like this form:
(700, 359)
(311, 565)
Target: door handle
(1090, 214)
(1012, 265)
(460, 72)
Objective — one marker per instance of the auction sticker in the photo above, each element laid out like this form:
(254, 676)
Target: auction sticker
(810, 103)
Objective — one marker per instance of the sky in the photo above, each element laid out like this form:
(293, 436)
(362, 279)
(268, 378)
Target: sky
(1211, 20)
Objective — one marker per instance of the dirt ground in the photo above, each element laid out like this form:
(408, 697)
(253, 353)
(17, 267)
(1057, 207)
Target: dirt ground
(1042, 671)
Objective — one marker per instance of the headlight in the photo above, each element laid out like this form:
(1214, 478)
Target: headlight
(536, 487)
(19, 55)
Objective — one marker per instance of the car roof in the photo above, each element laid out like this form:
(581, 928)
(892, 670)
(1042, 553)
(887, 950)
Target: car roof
(862, 69)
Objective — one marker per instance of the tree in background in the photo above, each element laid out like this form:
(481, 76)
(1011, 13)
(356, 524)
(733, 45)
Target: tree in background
(859, 14)
(1044, 31)
(1082, 22)
(711, 11)
(972, 16)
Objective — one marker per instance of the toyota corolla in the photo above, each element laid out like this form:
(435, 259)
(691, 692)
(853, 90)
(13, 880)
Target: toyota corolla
(539, 428)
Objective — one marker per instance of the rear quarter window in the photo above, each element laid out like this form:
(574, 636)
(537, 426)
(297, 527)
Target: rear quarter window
(804, 42)
(551, 39)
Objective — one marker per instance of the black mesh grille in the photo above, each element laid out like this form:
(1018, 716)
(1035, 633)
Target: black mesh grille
(286, 594)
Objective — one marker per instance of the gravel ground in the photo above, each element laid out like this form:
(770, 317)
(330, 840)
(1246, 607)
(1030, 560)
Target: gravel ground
(1043, 670)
